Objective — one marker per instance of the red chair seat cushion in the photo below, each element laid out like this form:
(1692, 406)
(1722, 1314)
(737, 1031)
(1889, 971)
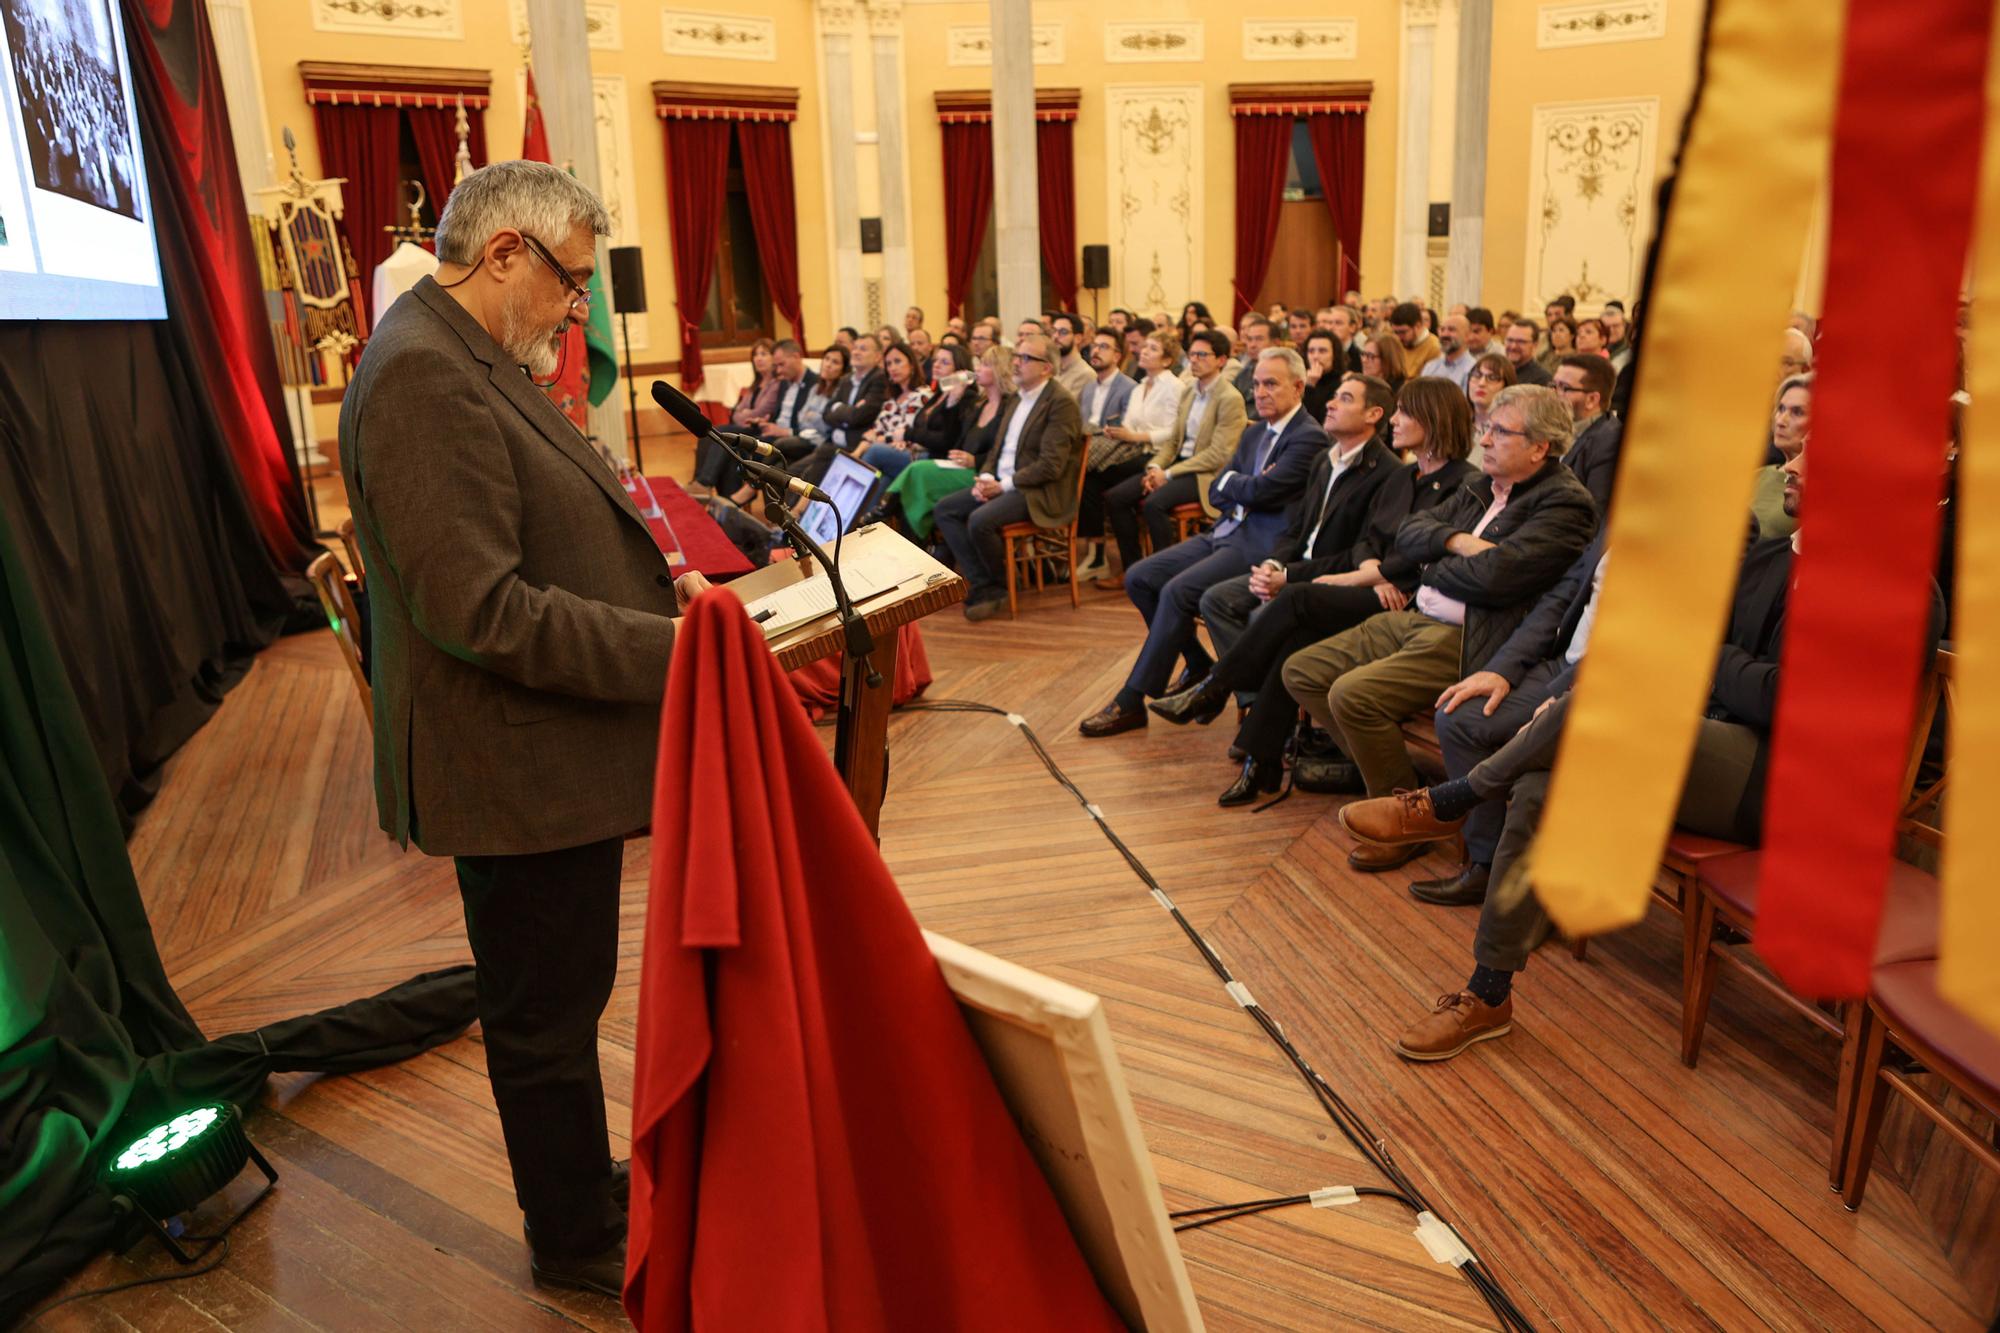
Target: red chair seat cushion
(1692, 849)
(1907, 993)
(1909, 928)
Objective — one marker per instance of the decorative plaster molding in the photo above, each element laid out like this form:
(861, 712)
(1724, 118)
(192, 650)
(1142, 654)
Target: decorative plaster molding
(1299, 39)
(885, 17)
(1590, 198)
(1600, 21)
(601, 23)
(1152, 42)
(970, 46)
(687, 32)
(390, 18)
(837, 18)
(1421, 13)
(1154, 188)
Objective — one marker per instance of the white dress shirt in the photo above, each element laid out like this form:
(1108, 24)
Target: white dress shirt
(1004, 469)
(1195, 410)
(1580, 639)
(1340, 462)
(1152, 406)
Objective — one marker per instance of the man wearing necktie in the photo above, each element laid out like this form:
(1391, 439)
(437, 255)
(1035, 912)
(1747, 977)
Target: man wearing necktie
(1267, 474)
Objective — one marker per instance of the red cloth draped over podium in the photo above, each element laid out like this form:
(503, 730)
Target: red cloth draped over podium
(816, 1141)
(818, 683)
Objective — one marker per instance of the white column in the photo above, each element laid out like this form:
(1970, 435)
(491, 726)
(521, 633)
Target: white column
(1016, 195)
(243, 91)
(1465, 268)
(899, 275)
(1413, 156)
(843, 183)
(561, 45)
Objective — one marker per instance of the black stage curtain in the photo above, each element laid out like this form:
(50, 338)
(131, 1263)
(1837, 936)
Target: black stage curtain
(122, 444)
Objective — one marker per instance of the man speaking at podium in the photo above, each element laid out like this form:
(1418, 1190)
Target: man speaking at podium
(520, 639)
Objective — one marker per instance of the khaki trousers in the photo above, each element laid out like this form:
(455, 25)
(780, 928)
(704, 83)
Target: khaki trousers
(1361, 684)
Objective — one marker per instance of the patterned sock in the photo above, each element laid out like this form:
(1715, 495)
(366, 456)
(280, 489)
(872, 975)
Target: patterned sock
(1454, 799)
(1490, 984)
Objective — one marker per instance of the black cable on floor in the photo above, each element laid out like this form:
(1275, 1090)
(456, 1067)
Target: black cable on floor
(221, 1253)
(1439, 1237)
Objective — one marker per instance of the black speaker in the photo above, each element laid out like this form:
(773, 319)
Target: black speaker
(628, 280)
(1096, 267)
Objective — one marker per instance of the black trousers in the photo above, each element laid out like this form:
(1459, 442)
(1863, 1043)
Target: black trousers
(544, 931)
(1124, 503)
(1298, 617)
(1090, 518)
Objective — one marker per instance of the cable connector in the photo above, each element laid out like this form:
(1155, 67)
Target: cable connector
(1160, 897)
(1241, 994)
(1443, 1243)
(1096, 812)
(1018, 720)
(1334, 1196)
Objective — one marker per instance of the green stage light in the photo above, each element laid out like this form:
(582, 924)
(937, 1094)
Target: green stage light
(178, 1163)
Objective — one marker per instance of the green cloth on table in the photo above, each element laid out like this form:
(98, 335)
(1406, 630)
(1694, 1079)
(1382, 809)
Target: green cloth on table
(919, 487)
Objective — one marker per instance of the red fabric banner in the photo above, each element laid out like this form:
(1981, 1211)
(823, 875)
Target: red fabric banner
(1055, 172)
(697, 174)
(1340, 154)
(816, 1140)
(774, 212)
(362, 146)
(1905, 179)
(1261, 145)
(818, 683)
(968, 200)
(435, 130)
(191, 160)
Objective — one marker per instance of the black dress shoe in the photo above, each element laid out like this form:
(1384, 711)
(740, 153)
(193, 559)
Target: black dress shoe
(603, 1272)
(1258, 779)
(621, 1183)
(1195, 705)
(1328, 775)
(1467, 888)
(1187, 680)
(1110, 720)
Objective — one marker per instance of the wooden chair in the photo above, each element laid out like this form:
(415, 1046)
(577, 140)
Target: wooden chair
(353, 548)
(1723, 893)
(336, 597)
(1029, 545)
(1188, 520)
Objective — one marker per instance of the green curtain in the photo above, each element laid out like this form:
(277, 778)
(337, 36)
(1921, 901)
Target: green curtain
(94, 1045)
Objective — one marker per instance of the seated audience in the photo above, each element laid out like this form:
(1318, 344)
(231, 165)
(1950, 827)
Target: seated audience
(1617, 335)
(881, 445)
(1256, 336)
(1336, 590)
(1207, 422)
(844, 337)
(1519, 345)
(1126, 449)
(1072, 369)
(1324, 369)
(913, 319)
(1592, 339)
(760, 395)
(1490, 374)
(920, 344)
(1111, 458)
(1791, 422)
(1382, 356)
(1298, 323)
(912, 497)
(1412, 329)
(982, 337)
(1585, 382)
(1344, 323)
(1265, 476)
(1798, 355)
(1488, 554)
(1325, 523)
(1560, 342)
(934, 430)
(1454, 361)
(1479, 331)
(854, 410)
(794, 390)
(832, 382)
(1109, 388)
(1192, 311)
(1028, 474)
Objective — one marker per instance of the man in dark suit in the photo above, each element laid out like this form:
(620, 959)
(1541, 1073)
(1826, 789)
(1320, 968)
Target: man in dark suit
(1264, 479)
(1103, 399)
(1489, 553)
(1330, 514)
(796, 381)
(717, 469)
(1585, 381)
(520, 637)
(1518, 341)
(1257, 334)
(1031, 474)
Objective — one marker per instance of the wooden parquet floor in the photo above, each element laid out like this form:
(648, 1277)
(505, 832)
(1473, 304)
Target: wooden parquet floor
(1608, 1186)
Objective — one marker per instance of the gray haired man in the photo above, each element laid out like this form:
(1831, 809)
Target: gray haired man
(521, 628)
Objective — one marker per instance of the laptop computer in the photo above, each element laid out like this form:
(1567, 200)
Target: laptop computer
(851, 484)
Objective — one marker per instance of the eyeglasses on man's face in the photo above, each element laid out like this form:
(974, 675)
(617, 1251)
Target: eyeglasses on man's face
(1024, 356)
(580, 296)
(1492, 427)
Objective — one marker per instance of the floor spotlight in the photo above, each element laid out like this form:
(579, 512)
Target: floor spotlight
(178, 1163)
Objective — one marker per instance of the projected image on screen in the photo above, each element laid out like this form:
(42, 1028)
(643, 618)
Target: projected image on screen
(72, 101)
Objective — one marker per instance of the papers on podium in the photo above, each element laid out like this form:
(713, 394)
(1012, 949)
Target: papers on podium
(868, 572)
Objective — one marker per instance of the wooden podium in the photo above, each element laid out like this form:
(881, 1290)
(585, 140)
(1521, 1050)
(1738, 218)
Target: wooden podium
(930, 587)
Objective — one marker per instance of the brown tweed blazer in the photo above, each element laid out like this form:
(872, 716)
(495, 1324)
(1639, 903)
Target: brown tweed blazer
(520, 610)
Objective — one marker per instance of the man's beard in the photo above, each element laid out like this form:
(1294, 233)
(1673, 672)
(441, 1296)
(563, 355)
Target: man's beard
(539, 349)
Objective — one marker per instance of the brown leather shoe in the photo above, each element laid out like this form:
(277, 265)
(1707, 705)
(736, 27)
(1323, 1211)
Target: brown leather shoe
(1466, 887)
(1392, 820)
(1110, 720)
(1453, 1024)
(1110, 583)
(1373, 856)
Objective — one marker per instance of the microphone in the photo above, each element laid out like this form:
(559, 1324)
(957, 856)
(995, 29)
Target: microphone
(688, 414)
(695, 422)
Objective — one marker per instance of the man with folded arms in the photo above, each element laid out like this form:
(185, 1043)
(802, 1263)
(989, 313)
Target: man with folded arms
(1723, 796)
(1488, 554)
(1267, 474)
